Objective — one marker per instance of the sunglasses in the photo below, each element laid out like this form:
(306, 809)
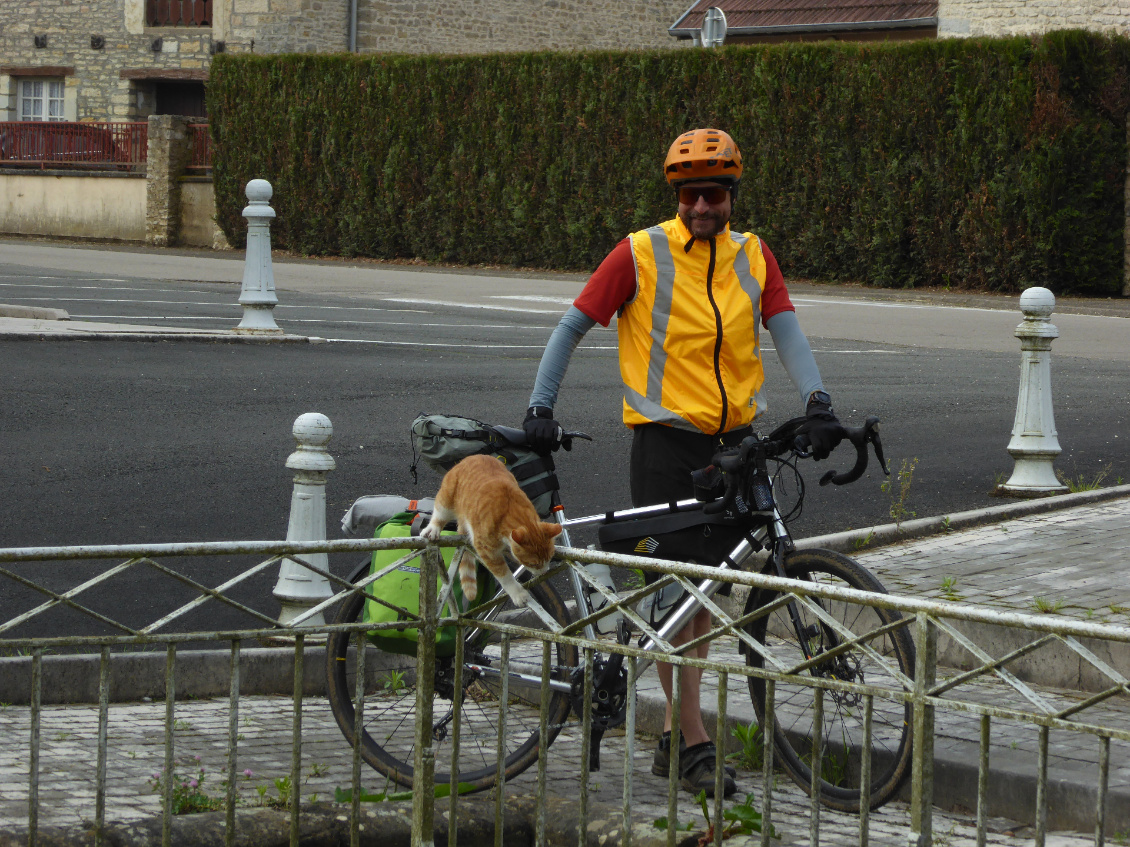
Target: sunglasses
(713, 194)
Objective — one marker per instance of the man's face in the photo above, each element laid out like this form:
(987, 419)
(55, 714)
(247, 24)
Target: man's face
(704, 207)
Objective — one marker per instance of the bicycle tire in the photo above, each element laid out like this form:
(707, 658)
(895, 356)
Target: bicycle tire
(388, 739)
(843, 728)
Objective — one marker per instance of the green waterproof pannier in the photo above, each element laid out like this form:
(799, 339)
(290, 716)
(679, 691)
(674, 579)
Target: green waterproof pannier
(401, 587)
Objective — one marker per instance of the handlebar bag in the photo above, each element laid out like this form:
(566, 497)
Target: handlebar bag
(443, 440)
(401, 587)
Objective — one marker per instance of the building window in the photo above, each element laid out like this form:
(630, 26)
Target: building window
(41, 100)
(178, 13)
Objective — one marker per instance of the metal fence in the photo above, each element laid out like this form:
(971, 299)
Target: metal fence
(42, 583)
(65, 144)
(201, 160)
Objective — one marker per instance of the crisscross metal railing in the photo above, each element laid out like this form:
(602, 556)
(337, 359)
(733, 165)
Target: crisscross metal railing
(986, 696)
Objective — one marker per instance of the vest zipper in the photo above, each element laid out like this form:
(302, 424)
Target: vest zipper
(718, 339)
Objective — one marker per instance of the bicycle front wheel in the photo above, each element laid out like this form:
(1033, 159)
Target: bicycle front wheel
(388, 741)
(878, 661)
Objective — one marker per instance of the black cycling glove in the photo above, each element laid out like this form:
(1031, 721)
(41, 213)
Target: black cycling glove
(543, 433)
(822, 428)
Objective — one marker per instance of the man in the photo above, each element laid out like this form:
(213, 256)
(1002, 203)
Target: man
(690, 295)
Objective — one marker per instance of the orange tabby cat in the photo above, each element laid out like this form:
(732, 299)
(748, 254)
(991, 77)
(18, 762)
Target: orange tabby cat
(483, 497)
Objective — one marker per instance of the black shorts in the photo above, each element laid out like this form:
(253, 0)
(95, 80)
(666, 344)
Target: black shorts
(663, 459)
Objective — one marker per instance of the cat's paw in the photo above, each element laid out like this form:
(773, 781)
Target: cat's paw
(519, 595)
(430, 532)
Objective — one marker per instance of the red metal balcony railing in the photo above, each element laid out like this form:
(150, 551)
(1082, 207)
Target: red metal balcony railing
(178, 13)
(201, 161)
(63, 144)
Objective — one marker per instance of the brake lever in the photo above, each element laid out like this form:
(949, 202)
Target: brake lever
(567, 439)
(873, 437)
(859, 437)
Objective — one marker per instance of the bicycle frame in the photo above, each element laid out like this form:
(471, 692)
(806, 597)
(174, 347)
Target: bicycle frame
(773, 530)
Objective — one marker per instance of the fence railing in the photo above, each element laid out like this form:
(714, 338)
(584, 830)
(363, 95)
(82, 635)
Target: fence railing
(201, 160)
(986, 699)
(62, 144)
(178, 12)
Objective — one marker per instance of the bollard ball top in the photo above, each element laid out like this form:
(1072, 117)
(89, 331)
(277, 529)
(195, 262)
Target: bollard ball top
(1037, 303)
(313, 430)
(259, 191)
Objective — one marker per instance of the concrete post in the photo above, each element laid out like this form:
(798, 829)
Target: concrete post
(299, 588)
(169, 152)
(1034, 444)
(258, 295)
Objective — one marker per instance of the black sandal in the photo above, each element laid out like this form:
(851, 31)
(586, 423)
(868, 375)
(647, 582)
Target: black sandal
(696, 769)
(661, 763)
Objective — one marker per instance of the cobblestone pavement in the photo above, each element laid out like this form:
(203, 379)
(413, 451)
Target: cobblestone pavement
(136, 743)
(1072, 561)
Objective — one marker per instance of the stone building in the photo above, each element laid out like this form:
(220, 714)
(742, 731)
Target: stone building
(772, 21)
(123, 60)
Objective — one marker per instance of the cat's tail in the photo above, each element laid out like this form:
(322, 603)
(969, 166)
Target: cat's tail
(467, 576)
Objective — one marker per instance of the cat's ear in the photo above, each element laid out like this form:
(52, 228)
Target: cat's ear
(519, 536)
(552, 530)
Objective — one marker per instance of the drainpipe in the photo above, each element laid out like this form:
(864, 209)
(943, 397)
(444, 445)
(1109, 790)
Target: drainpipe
(352, 26)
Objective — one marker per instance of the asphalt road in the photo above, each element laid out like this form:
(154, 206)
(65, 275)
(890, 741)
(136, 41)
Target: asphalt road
(111, 442)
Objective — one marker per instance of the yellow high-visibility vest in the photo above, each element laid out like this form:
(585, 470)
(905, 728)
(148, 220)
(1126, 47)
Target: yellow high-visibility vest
(689, 353)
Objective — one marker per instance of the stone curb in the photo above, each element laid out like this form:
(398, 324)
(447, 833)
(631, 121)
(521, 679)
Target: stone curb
(869, 538)
(33, 312)
(213, 337)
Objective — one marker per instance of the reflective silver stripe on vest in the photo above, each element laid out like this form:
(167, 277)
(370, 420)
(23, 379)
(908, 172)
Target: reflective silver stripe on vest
(753, 290)
(745, 278)
(654, 412)
(660, 316)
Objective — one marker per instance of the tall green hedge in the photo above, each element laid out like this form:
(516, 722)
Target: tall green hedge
(992, 164)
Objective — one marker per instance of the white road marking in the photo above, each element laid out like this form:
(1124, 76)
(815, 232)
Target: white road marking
(471, 305)
(319, 321)
(534, 298)
(470, 346)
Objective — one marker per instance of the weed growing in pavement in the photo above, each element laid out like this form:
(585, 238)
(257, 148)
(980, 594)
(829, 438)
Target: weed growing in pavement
(946, 524)
(1081, 483)
(393, 682)
(949, 588)
(898, 488)
(188, 792)
(752, 754)
(860, 543)
(741, 819)
(1046, 606)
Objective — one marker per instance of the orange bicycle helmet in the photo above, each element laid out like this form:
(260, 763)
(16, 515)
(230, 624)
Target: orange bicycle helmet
(703, 154)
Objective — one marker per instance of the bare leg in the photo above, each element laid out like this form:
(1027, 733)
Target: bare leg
(690, 712)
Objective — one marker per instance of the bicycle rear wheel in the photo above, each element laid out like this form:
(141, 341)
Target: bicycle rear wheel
(388, 740)
(842, 729)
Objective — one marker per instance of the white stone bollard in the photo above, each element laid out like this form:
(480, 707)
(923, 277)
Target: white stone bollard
(258, 295)
(299, 588)
(1034, 444)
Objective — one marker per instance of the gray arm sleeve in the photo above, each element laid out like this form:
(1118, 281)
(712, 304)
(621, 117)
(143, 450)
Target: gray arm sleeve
(795, 354)
(555, 360)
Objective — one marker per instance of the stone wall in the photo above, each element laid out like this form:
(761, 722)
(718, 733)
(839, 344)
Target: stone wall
(972, 18)
(493, 26)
